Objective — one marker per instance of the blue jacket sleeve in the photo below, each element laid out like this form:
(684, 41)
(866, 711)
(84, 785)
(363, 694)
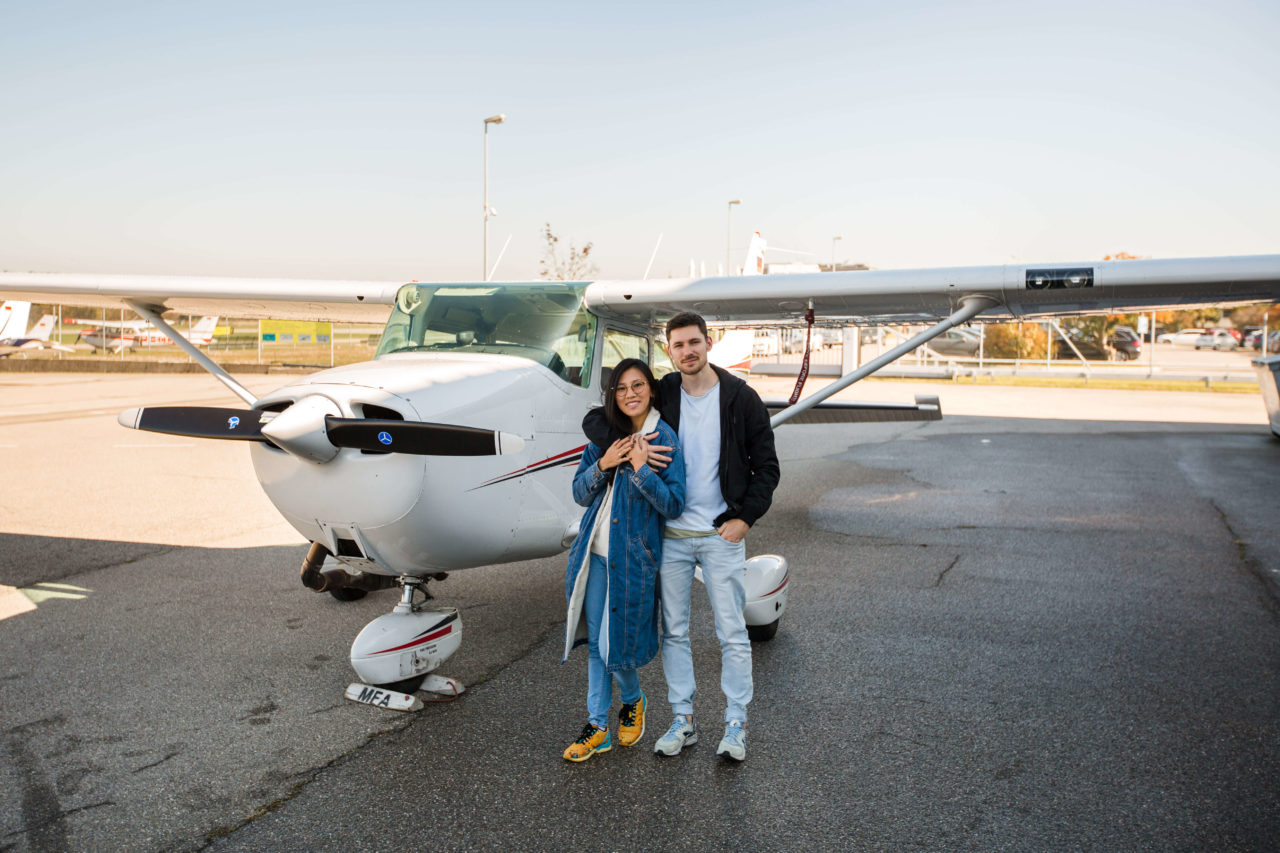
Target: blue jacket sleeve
(589, 480)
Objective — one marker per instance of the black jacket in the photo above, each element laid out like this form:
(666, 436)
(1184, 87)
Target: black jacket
(749, 468)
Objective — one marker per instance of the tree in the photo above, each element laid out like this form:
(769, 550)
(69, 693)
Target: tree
(1014, 340)
(575, 266)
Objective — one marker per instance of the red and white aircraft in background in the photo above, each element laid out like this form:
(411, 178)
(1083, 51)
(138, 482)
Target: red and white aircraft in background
(131, 334)
(13, 319)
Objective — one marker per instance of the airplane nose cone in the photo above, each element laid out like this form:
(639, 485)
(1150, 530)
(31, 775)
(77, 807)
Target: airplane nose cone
(300, 429)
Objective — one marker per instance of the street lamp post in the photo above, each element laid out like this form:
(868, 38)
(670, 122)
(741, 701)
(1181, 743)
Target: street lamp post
(728, 240)
(488, 211)
(833, 253)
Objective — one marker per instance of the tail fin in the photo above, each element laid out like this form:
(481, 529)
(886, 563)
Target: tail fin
(42, 330)
(732, 350)
(754, 264)
(13, 319)
(202, 332)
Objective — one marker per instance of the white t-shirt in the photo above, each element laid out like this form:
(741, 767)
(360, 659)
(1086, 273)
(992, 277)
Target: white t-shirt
(700, 442)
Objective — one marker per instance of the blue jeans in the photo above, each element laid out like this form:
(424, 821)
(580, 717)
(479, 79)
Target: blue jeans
(723, 572)
(599, 682)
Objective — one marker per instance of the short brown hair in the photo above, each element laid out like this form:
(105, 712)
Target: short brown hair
(686, 318)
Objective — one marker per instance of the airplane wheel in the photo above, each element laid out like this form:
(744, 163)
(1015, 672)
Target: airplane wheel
(347, 594)
(760, 633)
(407, 685)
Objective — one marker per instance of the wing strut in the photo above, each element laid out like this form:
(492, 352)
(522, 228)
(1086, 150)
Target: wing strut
(970, 307)
(146, 313)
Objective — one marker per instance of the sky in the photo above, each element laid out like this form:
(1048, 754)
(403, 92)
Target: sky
(346, 140)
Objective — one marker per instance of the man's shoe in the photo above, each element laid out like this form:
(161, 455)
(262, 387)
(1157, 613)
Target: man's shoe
(591, 741)
(734, 743)
(631, 721)
(681, 734)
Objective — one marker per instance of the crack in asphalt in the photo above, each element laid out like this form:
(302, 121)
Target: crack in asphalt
(172, 754)
(58, 819)
(943, 574)
(1270, 580)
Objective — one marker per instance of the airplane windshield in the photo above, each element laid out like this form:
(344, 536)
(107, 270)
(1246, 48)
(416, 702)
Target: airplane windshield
(545, 322)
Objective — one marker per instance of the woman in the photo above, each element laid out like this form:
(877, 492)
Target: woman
(611, 581)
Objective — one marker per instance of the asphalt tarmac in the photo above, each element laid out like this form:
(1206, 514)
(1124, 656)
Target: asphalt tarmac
(1046, 622)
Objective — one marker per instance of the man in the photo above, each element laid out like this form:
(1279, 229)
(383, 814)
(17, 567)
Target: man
(731, 470)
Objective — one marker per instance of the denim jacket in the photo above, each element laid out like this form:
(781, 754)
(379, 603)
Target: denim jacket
(642, 503)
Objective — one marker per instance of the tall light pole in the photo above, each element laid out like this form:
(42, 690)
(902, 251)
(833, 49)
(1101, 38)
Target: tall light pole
(728, 240)
(833, 253)
(488, 211)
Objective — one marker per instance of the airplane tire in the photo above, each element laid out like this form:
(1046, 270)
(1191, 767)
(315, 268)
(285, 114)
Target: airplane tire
(347, 594)
(761, 633)
(406, 685)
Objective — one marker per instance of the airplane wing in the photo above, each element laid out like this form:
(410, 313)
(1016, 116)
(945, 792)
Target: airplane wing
(251, 298)
(1016, 291)
(116, 325)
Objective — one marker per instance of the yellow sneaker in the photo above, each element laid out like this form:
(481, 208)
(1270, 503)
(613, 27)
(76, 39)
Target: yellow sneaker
(591, 741)
(631, 722)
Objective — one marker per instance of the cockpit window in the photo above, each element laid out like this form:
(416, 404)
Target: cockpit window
(543, 322)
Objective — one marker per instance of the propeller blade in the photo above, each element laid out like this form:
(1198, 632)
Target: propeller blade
(418, 438)
(198, 421)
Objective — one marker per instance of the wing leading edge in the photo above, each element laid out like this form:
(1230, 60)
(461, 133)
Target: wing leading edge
(1019, 291)
(251, 298)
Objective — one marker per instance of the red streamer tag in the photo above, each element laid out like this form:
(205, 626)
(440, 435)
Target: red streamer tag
(804, 364)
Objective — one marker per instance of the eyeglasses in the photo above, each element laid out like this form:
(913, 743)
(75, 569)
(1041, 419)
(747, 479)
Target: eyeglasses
(635, 388)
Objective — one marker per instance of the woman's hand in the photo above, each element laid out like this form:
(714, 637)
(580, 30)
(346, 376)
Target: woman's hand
(616, 454)
(639, 454)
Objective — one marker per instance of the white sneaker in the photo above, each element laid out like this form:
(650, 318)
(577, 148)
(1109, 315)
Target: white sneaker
(681, 734)
(734, 743)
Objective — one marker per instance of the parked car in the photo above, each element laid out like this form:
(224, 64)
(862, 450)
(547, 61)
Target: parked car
(1186, 337)
(963, 342)
(1123, 340)
(793, 339)
(1219, 339)
(1273, 341)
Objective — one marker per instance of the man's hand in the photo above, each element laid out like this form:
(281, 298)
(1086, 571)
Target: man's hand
(733, 530)
(659, 454)
(616, 454)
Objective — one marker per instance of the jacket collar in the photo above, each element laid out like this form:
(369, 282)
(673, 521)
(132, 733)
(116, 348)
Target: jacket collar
(651, 420)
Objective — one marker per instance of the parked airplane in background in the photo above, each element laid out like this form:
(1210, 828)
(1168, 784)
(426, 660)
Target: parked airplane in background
(733, 349)
(13, 316)
(455, 447)
(131, 334)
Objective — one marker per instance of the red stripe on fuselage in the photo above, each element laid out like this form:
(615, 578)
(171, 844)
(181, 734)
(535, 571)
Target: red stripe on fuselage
(435, 635)
(527, 468)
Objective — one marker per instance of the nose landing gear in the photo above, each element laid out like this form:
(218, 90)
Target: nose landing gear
(397, 653)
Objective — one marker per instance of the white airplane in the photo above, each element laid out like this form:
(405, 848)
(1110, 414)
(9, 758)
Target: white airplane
(13, 316)
(131, 334)
(733, 349)
(455, 446)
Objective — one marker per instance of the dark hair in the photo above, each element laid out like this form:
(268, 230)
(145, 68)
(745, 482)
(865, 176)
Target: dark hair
(686, 318)
(618, 422)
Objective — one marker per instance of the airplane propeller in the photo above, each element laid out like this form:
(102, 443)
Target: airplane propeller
(312, 429)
